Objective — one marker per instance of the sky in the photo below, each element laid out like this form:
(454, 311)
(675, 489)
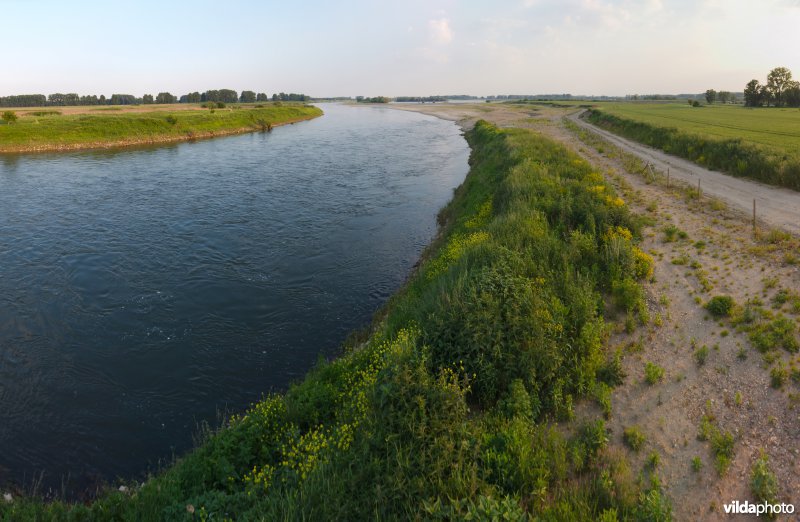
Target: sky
(397, 48)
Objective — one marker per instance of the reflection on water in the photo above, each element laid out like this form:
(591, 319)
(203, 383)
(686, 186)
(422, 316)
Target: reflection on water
(144, 290)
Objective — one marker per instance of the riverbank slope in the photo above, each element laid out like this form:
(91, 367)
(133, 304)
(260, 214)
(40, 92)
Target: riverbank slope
(100, 128)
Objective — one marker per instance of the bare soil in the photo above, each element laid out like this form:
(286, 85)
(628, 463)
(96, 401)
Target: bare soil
(720, 255)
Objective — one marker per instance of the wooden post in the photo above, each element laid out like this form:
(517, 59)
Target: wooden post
(699, 193)
(754, 216)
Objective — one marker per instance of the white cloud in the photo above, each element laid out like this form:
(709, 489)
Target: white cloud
(440, 31)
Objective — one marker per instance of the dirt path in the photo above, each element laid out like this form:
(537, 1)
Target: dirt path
(713, 252)
(780, 208)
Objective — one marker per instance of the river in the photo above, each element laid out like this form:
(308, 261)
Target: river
(143, 291)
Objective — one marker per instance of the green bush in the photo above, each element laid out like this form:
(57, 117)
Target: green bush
(774, 334)
(612, 373)
(778, 375)
(9, 117)
(720, 306)
(653, 373)
(701, 354)
(763, 483)
(634, 438)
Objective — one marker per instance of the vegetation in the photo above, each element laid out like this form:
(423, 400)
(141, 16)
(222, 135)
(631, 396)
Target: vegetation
(761, 145)
(375, 99)
(634, 438)
(720, 306)
(780, 90)
(700, 355)
(447, 412)
(215, 95)
(9, 117)
(721, 441)
(763, 483)
(653, 373)
(56, 132)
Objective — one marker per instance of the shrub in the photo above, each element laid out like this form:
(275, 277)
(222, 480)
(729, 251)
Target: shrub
(778, 375)
(634, 438)
(722, 445)
(670, 233)
(697, 464)
(778, 333)
(612, 372)
(701, 354)
(720, 306)
(9, 117)
(629, 296)
(172, 120)
(220, 105)
(653, 373)
(653, 460)
(763, 483)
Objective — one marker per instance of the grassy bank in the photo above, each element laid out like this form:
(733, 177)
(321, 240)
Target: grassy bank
(760, 144)
(54, 130)
(461, 402)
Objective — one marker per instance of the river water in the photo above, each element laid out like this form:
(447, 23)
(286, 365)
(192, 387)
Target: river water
(143, 291)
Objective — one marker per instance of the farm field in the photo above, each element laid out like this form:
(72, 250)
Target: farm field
(771, 127)
(760, 144)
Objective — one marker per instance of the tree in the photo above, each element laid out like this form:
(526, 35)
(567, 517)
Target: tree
(778, 80)
(228, 96)
(261, 97)
(247, 97)
(147, 99)
(122, 99)
(165, 97)
(711, 96)
(791, 94)
(753, 94)
(724, 97)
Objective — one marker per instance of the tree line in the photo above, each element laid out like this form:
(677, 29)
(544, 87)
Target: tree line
(779, 91)
(713, 96)
(215, 95)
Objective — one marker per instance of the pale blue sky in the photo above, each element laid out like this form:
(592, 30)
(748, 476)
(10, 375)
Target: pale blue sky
(392, 48)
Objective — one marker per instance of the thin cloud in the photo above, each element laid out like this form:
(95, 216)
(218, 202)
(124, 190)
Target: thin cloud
(440, 31)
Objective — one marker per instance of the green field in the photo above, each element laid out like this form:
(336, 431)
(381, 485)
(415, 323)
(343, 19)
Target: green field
(49, 130)
(460, 405)
(759, 143)
(775, 128)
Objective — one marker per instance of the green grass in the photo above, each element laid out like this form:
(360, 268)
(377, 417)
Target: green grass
(777, 128)
(58, 131)
(449, 410)
(761, 144)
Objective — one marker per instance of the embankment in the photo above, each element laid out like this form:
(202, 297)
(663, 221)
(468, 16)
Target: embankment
(460, 403)
(57, 132)
(732, 156)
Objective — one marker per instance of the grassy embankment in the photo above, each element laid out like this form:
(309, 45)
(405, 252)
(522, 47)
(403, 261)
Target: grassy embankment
(50, 130)
(461, 401)
(761, 144)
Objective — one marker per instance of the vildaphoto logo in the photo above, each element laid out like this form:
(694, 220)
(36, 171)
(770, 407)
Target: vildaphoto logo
(762, 508)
